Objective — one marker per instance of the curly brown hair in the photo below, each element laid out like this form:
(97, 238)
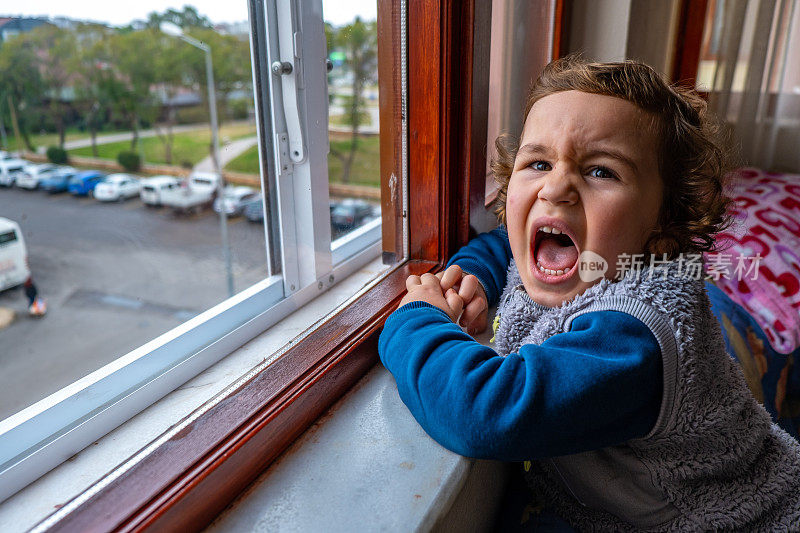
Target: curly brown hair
(693, 161)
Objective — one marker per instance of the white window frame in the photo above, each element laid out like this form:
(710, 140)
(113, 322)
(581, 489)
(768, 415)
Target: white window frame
(302, 261)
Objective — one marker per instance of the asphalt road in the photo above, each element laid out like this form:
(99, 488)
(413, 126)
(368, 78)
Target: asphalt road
(114, 276)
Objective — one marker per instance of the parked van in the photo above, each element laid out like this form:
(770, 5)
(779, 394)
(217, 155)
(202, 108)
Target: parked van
(10, 170)
(153, 188)
(13, 255)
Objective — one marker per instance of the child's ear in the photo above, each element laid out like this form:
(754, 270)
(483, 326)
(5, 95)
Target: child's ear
(661, 243)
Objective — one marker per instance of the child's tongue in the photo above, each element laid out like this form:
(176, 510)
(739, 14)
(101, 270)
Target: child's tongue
(551, 254)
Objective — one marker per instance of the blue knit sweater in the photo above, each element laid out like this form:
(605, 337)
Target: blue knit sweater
(596, 386)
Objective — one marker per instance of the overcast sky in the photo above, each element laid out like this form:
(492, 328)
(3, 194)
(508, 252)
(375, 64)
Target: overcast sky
(120, 13)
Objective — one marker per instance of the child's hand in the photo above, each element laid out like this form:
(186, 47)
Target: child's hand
(476, 308)
(428, 289)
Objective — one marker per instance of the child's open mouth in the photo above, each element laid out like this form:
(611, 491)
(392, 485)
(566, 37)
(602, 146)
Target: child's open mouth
(554, 252)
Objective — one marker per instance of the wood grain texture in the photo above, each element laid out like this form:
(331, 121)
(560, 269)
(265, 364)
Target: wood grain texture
(560, 46)
(390, 95)
(686, 55)
(425, 140)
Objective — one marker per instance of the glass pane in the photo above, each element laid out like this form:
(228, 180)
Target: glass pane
(353, 118)
(118, 263)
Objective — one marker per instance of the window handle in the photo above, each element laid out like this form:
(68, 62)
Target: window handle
(290, 70)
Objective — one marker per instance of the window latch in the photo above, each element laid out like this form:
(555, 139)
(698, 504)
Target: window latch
(290, 70)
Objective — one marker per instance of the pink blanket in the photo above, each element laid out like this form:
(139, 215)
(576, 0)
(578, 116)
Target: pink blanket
(766, 224)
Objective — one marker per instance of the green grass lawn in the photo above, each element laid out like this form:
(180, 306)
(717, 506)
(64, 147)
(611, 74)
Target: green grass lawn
(246, 162)
(366, 165)
(189, 147)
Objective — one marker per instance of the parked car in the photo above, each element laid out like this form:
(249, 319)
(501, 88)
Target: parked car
(233, 199)
(254, 209)
(349, 213)
(194, 193)
(10, 170)
(13, 255)
(33, 174)
(153, 188)
(58, 181)
(83, 183)
(117, 187)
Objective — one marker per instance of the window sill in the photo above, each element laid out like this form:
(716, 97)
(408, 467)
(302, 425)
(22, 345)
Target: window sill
(367, 463)
(29, 506)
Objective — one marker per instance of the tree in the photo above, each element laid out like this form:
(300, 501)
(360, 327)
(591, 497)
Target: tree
(93, 78)
(359, 39)
(21, 87)
(55, 47)
(188, 18)
(231, 59)
(135, 73)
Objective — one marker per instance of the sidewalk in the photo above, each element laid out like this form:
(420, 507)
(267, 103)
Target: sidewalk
(128, 135)
(227, 153)
(6, 317)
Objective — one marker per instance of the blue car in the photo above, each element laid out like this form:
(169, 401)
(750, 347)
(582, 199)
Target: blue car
(84, 182)
(58, 181)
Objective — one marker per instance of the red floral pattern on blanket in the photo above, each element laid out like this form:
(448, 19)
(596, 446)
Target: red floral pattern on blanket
(766, 215)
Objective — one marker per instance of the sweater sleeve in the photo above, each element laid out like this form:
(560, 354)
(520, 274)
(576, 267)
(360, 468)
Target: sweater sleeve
(486, 257)
(597, 385)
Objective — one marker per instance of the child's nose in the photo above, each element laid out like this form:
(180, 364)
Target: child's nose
(559, 188)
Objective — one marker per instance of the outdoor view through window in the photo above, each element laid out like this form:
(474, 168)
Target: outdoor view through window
(112, 210)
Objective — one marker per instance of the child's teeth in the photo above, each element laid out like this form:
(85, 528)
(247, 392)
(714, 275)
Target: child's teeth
(546, 229)
(540, 267)
(555, 231)
(559, 272)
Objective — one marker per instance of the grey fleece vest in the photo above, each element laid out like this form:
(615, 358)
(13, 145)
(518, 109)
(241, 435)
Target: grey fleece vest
(712, 461)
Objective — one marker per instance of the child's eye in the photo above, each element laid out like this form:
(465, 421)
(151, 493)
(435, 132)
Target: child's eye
(602, 173)
(541, 166)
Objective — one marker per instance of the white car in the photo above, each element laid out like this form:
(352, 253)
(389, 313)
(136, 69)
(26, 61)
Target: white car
(234, 199)
(117, 187)
(10, 169)
(33, 174)
(13, 255)
(153, 188)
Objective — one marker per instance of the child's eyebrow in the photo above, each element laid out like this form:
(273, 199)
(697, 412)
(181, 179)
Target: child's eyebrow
(614, 154)
(532, 149)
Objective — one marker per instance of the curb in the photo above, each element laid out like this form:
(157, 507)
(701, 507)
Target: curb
(6, 317)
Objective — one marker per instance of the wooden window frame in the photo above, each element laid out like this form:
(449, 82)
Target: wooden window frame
(689, 41)
(187, 480)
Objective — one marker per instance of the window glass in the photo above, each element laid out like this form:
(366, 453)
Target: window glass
(107, 87)
(119, 91)
(354, 121)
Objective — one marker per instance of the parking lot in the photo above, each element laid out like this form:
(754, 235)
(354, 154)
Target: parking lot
(114, 275)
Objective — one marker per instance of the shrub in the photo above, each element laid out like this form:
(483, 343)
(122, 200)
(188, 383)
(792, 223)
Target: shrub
(239, 109)
(192, 115)
(130, 161)
(57, 155)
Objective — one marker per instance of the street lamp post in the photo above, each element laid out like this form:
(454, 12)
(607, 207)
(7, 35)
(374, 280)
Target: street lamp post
(172, 29)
